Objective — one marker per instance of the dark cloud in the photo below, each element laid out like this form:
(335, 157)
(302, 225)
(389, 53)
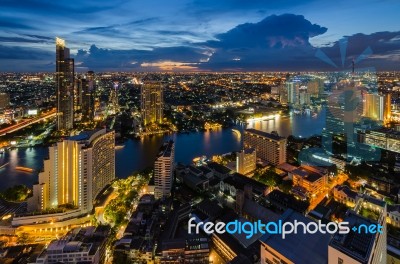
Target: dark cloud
(275, 43)
(380, 50)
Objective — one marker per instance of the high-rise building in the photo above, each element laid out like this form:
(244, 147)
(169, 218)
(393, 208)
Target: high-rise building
(315, 87)
(4, 100)
(246, 161)
(269, 147)
(283, 94)
(304, 98)
(152, 103)
(113, 105)
(78, 168)
(64, 86)
(292, 92)
(84, 98)
(164, 169)
(377, 106)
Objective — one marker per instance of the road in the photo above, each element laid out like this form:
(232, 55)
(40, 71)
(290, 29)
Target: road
(27, 122)
(339, 180)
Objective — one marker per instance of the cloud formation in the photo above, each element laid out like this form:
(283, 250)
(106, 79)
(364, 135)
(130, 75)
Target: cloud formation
(277, 42)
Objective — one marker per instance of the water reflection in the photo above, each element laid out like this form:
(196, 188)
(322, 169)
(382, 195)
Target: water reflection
(140, 154)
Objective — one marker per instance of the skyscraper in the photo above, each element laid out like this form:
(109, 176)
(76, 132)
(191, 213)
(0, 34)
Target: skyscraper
(113, 105)
(164, 169)
(152, 103)
(65, 86)
(269, 147)
(292, 92)
(78, 168)
(377, 106)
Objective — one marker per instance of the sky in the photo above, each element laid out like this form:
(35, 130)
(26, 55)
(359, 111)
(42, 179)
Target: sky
(201, 35)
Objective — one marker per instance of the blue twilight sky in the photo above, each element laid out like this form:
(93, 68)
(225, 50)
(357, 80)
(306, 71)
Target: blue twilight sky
(200, 35)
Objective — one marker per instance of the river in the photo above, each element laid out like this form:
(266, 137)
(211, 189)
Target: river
(139, 154)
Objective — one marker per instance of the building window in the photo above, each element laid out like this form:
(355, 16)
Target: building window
(340, 261)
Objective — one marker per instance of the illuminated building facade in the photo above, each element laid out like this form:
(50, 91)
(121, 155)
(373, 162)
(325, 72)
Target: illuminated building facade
(163, 170)
(246, 161)
(152, 103)
(269, 147)
(384, 139)
(113, 105)
(292, 92)
(84, 97)
(377, 107)
(312, 179)
(65, 86)
(78, 168)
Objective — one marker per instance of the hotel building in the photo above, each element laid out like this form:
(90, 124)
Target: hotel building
(77, 169)
(269, 146)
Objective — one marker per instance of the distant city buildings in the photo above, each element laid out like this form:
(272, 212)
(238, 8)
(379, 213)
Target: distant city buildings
(65, 75)
(269, 147)
(152, 103)
(164, 170)
(78, 168)
(246, 161)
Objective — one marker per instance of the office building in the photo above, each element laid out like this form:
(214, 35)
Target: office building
(358, 246)
(4, 100)
(164, 169)
(246, 161)
(269, 146)
(377, 106)
(152, 103)
(77, 170)
(311, 179)
(64, 86)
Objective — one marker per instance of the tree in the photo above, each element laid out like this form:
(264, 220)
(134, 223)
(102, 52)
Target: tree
(23, 239)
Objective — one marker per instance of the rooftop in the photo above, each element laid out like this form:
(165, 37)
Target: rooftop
(358, 246)
(264, 134)
(300, 248)
(166, 149)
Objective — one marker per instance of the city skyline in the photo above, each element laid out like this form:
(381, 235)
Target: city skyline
(200, 35)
